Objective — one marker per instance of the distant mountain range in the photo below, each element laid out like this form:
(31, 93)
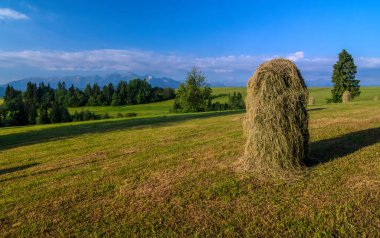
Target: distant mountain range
(82, 81)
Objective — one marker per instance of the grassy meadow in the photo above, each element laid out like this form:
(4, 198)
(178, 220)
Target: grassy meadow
(163, 108)
(165, 175)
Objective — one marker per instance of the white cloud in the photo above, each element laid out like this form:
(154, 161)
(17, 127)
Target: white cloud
(132, 60)
(137, 60)
(237, 67)
(6, 13)
(111, 59)
(369, 62)
(296, 56)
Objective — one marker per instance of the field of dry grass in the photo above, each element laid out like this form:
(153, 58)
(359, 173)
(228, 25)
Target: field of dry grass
(177, 176)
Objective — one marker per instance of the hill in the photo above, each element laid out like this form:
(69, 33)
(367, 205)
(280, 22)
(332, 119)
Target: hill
(176, 176)
(82, 81)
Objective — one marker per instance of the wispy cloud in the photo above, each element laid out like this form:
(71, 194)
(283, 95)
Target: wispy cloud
(296, 56)
(135, 60)
(132, 60)
(234, 67)
(369, 62)
(7, 13)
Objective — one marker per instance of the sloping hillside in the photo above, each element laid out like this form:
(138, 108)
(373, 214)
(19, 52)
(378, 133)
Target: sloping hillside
(177, 176)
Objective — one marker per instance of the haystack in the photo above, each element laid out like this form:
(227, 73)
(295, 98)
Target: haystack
(311, 101)
(346, 97)
(276, 125)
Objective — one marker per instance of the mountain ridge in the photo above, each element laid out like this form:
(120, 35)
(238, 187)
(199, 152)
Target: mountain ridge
(81, 81)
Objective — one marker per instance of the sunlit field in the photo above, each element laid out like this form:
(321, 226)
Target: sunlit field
(176, 175)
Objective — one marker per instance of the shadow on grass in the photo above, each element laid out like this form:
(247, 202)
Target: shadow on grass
(17, 168)
(326, 150)
(316, 109)
(61, 131)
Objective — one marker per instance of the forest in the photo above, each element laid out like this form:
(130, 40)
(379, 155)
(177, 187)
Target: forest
(42, 104)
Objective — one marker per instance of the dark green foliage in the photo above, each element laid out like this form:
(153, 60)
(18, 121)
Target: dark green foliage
(130, 114)
(75, 97)
(116, 99)
(105, 116)
(161, 94)
(43, 104)
(30, 103)
(194, 95)
(60, 93)
(135, 91)
(37, 105)
(14, 112)
(45, 99)
(86, 115)
(138, 91)
(344, 78)
(236, 101)
(217, 106)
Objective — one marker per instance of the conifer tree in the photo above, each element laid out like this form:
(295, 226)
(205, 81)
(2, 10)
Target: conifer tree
(343, 77)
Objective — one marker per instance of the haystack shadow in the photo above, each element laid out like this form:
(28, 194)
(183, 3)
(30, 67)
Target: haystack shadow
(316, 109)
(329, 149)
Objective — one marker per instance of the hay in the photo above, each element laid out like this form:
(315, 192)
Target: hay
(346, 97)
(311, 101)
(375, 98)
(276, 125)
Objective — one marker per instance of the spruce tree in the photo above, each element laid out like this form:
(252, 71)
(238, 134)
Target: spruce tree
(344, 77)
(30, 100)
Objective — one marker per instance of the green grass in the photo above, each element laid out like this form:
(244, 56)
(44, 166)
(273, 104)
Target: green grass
(176, 176)
(163, 108)
(322, 94)
(142, 110)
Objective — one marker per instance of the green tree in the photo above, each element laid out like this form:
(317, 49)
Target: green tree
(116, 99)
(343, 77)
(236, 101)
(60, 92)
(59, 113)
(45, 95)
(123, 96)
(109, 93)
(194, 95)
(14, 109)
(30, 100)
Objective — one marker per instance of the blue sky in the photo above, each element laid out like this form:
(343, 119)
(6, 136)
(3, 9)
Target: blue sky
(225, 39)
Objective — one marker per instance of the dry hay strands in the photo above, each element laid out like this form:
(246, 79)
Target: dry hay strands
(346, 97)
(311, 101)
(276, 125)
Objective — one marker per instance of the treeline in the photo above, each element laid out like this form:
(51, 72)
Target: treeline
(195, 95)
(135, 91)
(43, 105)
(37, 105)
(235, 102)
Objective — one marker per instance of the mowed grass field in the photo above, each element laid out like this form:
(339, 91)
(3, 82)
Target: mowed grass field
(177, 176)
